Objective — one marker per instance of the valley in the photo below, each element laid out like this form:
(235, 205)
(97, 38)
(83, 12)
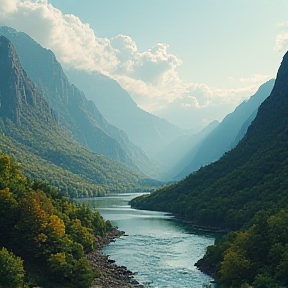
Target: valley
(69, 137)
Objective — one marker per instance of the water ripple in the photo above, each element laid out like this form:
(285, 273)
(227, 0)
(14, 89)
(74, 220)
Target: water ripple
(160, 250)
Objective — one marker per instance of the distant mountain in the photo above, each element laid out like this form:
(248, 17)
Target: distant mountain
(147, 131)
(229, 132)
(251, 177)
(242, 132)
(181, 151)
(31, 134)
(73, 110)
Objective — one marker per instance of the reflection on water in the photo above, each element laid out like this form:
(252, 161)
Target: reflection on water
(160, 249)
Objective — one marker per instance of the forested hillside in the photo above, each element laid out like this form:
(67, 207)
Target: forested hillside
(256, 256)
(229, 132)
(31, 135)
(246, 189)
(72, 109)
(43, 236)
(249, 178)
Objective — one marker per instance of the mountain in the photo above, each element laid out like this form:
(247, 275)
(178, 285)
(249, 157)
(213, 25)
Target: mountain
(229, 132)
(181, 151)
(144, 129)
(249, 178)
(73, 111)
(31, 134)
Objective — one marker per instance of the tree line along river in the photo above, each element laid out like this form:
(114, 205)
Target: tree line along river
(160, 250)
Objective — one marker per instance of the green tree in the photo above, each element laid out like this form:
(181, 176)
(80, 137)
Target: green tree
(235, 268)
(81, 234)
(8, 207)
(282, 268)
(11, 270)
(65, 267)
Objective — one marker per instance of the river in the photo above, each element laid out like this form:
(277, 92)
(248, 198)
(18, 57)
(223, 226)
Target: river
(159, 249)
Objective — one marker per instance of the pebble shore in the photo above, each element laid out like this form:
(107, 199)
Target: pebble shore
(109, 275)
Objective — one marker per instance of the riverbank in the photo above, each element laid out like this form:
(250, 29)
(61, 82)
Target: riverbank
(109, 275)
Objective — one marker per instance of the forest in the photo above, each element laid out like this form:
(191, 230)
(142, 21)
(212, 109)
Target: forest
(257, 256)
(245, 192)
(44, 236)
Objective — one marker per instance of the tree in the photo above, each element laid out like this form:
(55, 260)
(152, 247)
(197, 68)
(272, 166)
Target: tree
(65, 267)
(282, 268)
(81, 234)
(11, 270)
(34, 212)
(7, 216)
(235, 268)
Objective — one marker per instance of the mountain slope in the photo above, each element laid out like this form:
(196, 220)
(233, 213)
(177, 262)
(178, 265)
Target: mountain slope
(227, 135)
(73, 110)
(30, 132)
(182, 150)
(249, 178)
(147, 131)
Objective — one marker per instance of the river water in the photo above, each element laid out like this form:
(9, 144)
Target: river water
(159, 249)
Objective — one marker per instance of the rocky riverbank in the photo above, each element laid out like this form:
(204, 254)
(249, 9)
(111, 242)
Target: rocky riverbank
(109, 275)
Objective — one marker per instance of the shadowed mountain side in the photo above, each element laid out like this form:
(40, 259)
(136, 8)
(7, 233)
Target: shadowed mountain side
(243, 130)
(223, 137)
(181, 151)
(30, 133)
(249, 178)
(73, 110)
(147, 131)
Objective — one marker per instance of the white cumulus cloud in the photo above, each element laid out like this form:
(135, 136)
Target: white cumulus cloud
(149, 76)
(282, 42)
(7, 7)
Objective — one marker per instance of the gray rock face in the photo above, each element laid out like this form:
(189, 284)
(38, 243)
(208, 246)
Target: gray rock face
(72, 109)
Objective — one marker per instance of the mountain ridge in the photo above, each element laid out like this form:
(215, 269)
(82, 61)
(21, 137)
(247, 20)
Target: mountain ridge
(144, 129)
(73, 110)
(182, 150)
(12, 106)
(249, 178)
(227, 134)
(30, 132)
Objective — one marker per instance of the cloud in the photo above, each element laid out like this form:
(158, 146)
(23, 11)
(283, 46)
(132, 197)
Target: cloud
(283, 24)
(201, 105)
(8, 6)
(281, 42)
(149, 76)
(255, 78)
(73, 42)
(150, 66)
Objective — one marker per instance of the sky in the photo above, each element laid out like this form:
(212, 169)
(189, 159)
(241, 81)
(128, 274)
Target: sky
(188, 61)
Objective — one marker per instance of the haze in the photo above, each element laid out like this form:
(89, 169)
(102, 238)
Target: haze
(190, 62)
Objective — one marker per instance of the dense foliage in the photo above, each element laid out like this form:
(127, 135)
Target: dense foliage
(43, 236)
(51, 156)
(228, 193)
(247, 179)
(257, 256)
(244, 190)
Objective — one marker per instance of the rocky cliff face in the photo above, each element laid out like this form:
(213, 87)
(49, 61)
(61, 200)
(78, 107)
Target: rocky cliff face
(17, 93)
(30, 133)
(272, 117)
(73, 110)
